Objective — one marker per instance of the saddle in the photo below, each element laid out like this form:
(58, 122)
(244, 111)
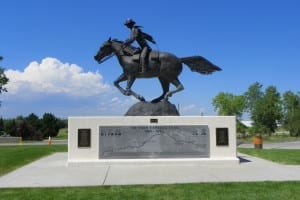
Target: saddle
(135, 52)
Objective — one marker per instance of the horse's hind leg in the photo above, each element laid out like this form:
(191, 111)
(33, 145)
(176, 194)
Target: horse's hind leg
(178, 88)
(165, 84)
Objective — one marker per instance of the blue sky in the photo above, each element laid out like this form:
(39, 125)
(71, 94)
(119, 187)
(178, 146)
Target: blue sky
(48, 48)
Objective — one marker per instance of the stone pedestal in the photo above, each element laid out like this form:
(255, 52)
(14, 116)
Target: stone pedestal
(163, 108)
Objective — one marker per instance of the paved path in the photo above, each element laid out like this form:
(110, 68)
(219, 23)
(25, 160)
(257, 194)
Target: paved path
(275, 145)
(52, 171)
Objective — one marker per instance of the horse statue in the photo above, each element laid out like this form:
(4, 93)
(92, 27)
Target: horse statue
(165, 66)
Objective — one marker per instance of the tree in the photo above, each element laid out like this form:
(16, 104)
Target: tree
(291, 112)
(266, 112)
(1, 126)
(229, 104)
(253, 94)
(50, 125)
(290, 102)
(10, 127)
(32, 127)
(34, 121)
(3, 79)
(23, 128)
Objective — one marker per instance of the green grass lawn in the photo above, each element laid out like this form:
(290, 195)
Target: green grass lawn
(222, 191)
(283, 156)
(62, 134)
(13, 157)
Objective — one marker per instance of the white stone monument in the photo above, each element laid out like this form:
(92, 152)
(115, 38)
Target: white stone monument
(152, 140)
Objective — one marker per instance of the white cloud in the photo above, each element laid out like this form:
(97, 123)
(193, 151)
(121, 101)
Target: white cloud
(188, 108)
(191, 109)
(63, 89)
(116, 105)
(51, 76)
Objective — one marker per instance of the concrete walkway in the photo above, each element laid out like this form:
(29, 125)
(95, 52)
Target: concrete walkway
(52, 171)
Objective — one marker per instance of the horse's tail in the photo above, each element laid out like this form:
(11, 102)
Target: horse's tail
(200, 65)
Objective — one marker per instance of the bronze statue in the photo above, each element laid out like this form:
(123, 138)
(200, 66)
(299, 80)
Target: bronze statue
(138, 35)
(165, 66)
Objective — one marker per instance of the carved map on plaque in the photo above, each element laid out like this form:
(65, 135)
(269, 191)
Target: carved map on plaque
(178, 141)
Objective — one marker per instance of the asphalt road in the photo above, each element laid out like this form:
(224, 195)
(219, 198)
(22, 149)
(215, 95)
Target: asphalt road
(44, 142)
(279, 145)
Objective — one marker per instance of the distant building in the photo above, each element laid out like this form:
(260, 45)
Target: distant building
(247, 123)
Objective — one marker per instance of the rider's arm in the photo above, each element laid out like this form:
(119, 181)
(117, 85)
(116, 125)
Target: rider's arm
(133, 36)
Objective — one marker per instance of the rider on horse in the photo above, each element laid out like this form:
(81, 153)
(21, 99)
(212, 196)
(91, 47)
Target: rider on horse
(138, 35)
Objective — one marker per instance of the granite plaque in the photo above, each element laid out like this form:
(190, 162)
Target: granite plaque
(222, 137)
(84, 137)
(185, 141)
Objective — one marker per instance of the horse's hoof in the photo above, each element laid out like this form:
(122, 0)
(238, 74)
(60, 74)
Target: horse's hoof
(166, 99)
(156, 100)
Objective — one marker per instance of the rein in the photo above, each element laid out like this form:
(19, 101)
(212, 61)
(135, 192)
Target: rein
(105, 59)
(117, 52)
(111, 55)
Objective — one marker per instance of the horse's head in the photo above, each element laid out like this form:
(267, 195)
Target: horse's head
(105, 50)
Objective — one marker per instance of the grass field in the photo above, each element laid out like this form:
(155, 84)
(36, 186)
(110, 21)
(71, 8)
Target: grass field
(283, 156)
(222, 191)
(13, 157)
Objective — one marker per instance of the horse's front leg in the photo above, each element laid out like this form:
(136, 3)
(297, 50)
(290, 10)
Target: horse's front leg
(121, 78)
(127, 91)
(130, 82)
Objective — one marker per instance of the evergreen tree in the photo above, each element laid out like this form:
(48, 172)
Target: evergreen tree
(1, 126)
(10, 127)
(50, 125)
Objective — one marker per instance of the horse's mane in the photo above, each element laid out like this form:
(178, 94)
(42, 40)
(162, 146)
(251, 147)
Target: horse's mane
(118, 41)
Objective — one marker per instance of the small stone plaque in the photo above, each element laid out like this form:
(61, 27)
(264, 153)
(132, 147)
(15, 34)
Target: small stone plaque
(157, 141)
(84, 137)
(222, 136)
(153, 120)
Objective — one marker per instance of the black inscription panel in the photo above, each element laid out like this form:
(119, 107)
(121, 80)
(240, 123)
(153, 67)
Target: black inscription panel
(84, 137)
(222, 136)
(154, 141)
